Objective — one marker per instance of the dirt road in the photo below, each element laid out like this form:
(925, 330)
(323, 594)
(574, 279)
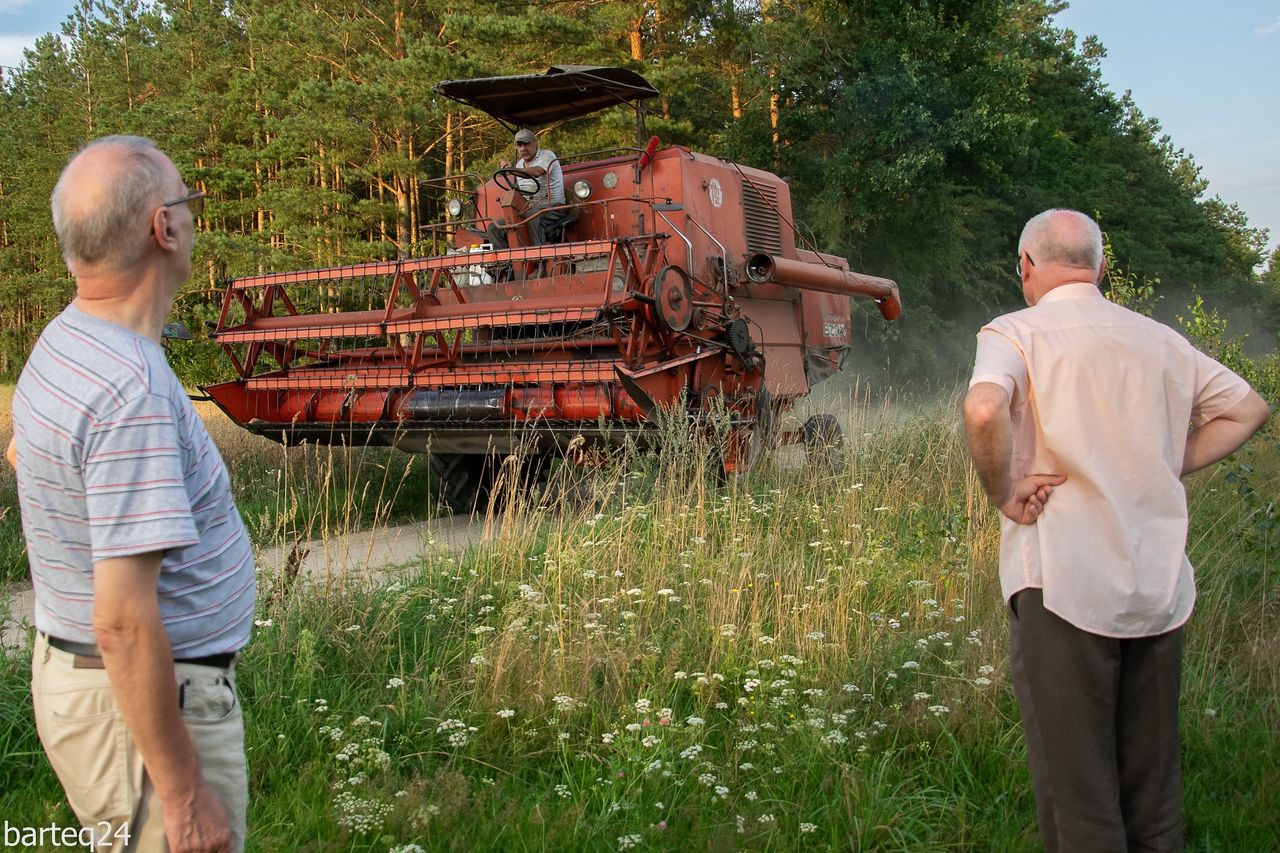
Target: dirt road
(363, 554)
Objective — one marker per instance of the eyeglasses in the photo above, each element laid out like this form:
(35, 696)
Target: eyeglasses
(195, 199)
(1030, 260)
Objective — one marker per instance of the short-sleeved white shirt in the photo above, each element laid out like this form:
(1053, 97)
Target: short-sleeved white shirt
(1105, 396)
(551, 185)
(113, 461)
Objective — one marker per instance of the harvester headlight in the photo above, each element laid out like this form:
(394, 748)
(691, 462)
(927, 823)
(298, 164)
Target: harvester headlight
(610, 180)
(454, 206)
(582, 190)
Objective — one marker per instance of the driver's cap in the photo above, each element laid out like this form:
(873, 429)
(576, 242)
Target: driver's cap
(524, 134)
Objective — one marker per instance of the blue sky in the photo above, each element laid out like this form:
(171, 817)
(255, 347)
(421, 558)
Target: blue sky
(1210, 72)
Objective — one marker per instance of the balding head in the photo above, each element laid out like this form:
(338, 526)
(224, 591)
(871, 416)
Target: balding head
(104, 197)
(1063, 237)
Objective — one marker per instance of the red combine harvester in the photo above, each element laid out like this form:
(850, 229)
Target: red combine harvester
(675, 281)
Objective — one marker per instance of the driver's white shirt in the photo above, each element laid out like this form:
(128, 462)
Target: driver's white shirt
(552, 181)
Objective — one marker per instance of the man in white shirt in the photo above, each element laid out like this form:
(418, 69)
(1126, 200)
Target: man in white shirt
(544, 192)
(1077, 419)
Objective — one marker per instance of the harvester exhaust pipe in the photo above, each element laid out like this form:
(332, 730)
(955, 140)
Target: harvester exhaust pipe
(763, 268)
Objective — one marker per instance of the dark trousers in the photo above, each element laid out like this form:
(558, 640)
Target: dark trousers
(1101, 722)
(540, 228)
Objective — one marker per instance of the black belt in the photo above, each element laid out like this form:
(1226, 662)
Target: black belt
(90, 651)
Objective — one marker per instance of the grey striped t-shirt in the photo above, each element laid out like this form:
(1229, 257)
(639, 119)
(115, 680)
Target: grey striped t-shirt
(114, 461)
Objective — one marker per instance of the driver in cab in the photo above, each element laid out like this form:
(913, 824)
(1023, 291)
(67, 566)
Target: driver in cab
(542, 184)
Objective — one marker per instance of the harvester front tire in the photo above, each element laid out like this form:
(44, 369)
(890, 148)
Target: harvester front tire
(823, 441)
(465, 481)
(462, 480)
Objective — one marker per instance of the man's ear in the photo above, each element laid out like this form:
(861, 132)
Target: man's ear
(1102, 272)
(162, 229)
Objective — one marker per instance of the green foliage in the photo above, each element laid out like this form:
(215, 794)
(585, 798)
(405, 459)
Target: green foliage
(919, 136)
(1207, 329)
(1123, 287)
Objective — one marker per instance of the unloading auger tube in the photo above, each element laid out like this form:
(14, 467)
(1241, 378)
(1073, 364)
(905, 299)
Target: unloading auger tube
(764, 268)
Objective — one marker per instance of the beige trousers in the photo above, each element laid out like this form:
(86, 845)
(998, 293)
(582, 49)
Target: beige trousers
(99, 765)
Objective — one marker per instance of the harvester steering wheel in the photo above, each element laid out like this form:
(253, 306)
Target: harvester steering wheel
(508, 178)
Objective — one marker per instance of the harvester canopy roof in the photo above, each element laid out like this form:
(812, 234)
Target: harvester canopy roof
(562, 92)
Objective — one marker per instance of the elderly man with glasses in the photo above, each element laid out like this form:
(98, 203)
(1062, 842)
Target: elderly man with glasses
(143, 573)
(1082, 417)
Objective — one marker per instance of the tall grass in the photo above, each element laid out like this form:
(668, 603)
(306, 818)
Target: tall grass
(640, 657)
(286, 495)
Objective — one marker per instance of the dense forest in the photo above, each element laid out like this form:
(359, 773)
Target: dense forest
(918, 136)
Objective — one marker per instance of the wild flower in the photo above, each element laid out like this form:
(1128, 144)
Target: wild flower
(766, 818)
(563, 702)
(626, 842)
(691, 752)
(694, 722)
(807, 828)
(939, 710)
(982, 681)
(506, 713)
(911, 665)
(920, 696)
(264, 623)
(394, 683)
(986, 669)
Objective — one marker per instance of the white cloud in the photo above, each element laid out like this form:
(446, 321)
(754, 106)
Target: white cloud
(1271, 29)
(11, 48)
(13, 5)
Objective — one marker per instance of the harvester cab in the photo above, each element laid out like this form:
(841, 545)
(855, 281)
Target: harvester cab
(672, 279)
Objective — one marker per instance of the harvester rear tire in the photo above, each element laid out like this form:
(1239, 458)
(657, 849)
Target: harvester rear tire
(823, 441)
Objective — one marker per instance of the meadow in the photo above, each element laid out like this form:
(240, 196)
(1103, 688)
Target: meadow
(811, 657)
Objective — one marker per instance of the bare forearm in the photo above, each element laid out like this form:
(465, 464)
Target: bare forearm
(139, 664)
(1224, 435)
(990, 452)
